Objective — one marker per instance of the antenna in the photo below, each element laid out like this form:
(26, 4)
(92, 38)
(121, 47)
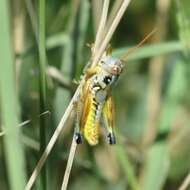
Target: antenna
(131, 50)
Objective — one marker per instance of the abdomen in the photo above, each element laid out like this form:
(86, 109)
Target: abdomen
(91, 127)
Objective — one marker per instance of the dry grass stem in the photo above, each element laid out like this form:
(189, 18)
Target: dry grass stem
(57, 75)
(19, 26)
(19, 125)
(24, 123)
(101, 25)
(96, 9)
(31, 143)
(116, 6)
(51, 143)
(111, 31)
(186, 183)
(69, 165)
(2, 133)
(155, 72)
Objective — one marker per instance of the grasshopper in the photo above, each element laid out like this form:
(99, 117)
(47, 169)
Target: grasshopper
(95, 100)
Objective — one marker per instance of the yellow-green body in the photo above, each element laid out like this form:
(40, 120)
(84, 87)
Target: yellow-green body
(95, 102)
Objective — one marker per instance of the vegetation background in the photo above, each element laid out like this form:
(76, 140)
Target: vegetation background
(152, 96)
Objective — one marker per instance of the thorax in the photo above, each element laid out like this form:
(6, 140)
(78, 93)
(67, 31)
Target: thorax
(99, 92)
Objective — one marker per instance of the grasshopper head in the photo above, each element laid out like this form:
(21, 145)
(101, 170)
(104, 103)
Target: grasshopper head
(112, 65)
(110, 69)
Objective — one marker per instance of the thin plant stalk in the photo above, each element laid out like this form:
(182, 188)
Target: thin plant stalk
(184, 35)
(55, 74)
(69, 165)
(32, 15)
(42, 84)
(96, 11)
(155, 74)
(101, 25)
(52, 142)
(110, 31)
(186, 183)
(112, 14)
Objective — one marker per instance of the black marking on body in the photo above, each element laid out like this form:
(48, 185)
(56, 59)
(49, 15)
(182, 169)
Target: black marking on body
(96, 105)
(107, 79)
(96, 108)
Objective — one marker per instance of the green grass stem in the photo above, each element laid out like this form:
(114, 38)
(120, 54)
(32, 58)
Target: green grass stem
(14, 154)
(42, 85)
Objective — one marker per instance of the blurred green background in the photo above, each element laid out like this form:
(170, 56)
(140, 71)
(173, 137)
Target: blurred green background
(43, 49)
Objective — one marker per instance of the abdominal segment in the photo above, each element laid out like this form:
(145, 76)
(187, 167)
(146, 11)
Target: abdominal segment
(91, 127)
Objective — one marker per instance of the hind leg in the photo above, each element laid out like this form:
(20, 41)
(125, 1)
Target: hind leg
(108, 114)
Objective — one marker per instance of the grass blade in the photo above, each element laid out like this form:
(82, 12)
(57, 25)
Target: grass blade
(42, 84)
(9, 110)
(183, 18)
(156, 167)
(127, 167)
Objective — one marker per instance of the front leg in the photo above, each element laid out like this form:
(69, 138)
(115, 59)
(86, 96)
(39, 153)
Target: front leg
(108, 114)
(91, 71)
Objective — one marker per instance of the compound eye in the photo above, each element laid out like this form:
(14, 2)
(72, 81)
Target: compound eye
(107, 79)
